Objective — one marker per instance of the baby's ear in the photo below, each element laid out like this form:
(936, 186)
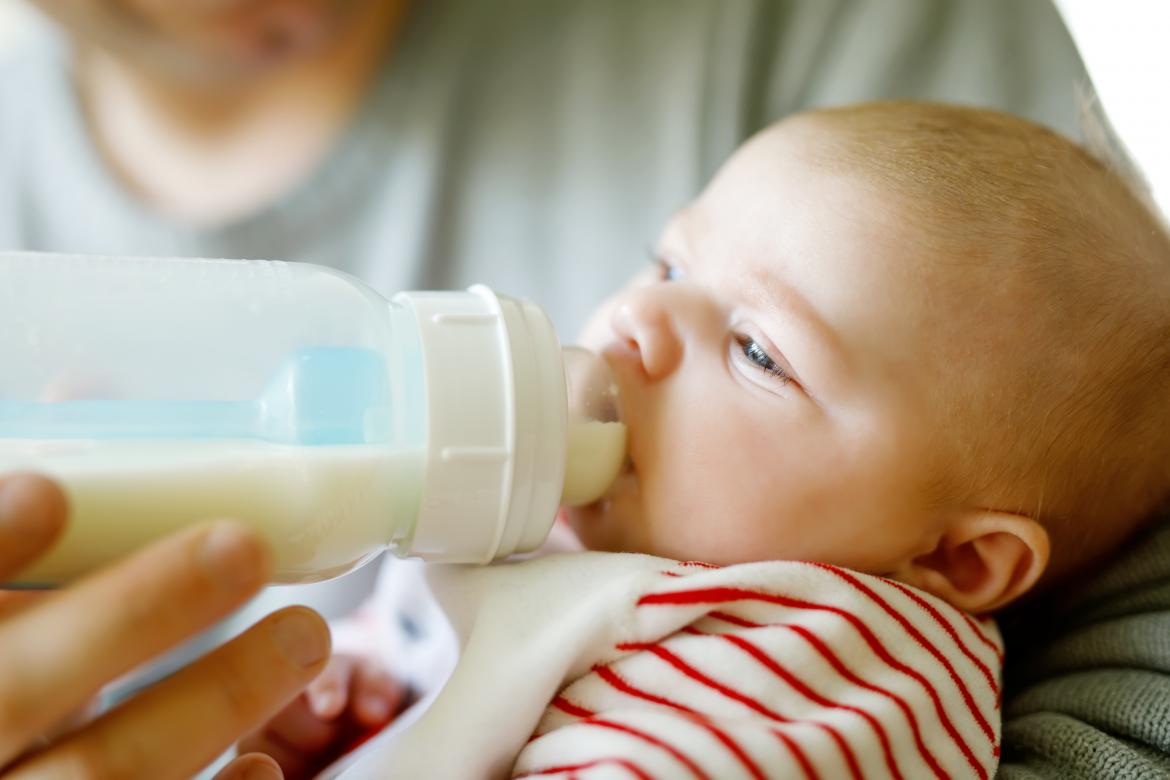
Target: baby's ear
(982, 561)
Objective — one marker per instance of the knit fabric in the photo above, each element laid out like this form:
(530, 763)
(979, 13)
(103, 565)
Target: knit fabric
(1088, 687)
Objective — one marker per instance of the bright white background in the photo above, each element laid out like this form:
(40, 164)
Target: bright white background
(1126, 47)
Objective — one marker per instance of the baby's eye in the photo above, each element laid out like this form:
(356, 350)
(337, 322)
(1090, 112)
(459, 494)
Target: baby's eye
(667, 271)
(756, 354)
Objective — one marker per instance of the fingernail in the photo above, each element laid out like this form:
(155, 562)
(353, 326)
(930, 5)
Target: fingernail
(262, 771)
(232, 557)
(376, 708)
(323, 703)
(301, 636)
(24, 511)
(12, 502)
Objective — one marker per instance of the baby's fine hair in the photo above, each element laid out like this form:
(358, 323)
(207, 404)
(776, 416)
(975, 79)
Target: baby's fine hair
(1073, 408)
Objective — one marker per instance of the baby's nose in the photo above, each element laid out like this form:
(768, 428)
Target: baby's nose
(643, 319)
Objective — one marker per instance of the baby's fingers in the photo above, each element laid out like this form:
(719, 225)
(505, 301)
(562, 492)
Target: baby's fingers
(377, 697)
(298, 741)
(251, 767)
(295, 727)
(328, 695)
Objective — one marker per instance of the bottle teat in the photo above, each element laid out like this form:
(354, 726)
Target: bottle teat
(596, 441)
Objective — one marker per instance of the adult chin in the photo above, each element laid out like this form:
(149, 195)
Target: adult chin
(278, 33)
(216, 48)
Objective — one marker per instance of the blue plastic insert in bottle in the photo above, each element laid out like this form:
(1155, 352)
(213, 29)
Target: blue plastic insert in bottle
(320, 396)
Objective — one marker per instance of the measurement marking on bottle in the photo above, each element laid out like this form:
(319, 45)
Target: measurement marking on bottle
(481, 454)
(463, 319)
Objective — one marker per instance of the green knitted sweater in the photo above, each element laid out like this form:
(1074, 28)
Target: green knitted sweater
(1088, 673)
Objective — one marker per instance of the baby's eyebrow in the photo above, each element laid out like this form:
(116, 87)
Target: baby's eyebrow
(764, 290)
(673, 239)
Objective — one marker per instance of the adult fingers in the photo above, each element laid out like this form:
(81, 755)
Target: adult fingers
(55, 655)
(174, 728)
(294, 763)
(253, 766)
(32, 516)
(13, 601)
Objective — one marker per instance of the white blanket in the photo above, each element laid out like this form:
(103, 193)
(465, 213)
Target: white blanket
(596, 665)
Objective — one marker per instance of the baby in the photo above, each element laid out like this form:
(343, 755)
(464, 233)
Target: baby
(928, 346)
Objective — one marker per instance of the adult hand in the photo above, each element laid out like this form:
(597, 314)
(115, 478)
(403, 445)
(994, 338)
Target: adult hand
(58, 649)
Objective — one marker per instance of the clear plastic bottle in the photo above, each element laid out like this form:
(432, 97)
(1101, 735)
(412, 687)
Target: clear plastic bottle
(297, 400)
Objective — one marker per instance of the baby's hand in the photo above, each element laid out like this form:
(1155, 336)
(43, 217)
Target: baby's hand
(352, 698)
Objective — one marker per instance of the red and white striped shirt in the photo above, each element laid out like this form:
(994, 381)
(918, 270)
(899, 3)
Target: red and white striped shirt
(659, 669)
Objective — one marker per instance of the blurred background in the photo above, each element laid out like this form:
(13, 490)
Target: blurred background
(16, 19)
(1123, 43)
(1124, 47)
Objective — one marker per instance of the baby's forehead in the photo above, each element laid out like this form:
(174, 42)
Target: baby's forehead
(791, 212)
(784, 149)
(965, 255)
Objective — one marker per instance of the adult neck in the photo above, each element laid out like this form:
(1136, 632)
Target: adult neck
(209, 154)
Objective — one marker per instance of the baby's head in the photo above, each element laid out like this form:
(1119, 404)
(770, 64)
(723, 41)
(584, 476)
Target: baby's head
(920, 341)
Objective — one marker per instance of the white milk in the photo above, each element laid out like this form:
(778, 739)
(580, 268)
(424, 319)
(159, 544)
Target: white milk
(596, 453)
(323, 509)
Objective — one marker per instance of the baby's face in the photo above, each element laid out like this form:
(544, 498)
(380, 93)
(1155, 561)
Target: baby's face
(772, 371)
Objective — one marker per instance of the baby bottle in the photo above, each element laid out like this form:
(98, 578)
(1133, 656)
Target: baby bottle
(296, 400)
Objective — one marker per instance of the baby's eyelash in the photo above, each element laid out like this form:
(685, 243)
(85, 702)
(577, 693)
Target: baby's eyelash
(667, 272)
(755, 353)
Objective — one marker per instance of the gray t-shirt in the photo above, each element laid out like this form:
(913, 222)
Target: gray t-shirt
(539, 146)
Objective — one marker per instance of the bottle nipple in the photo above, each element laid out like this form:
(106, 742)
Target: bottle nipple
(596, 436)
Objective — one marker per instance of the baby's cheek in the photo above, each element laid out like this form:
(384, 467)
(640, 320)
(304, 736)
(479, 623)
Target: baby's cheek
(707, 515)
(680, 522)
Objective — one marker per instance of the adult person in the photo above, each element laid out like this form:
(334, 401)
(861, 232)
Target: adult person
(531, 145)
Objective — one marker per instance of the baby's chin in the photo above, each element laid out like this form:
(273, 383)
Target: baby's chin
(610, 524)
